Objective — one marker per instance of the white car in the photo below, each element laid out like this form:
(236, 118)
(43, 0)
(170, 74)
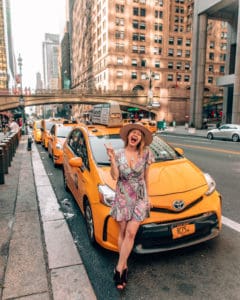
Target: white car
(225, 132)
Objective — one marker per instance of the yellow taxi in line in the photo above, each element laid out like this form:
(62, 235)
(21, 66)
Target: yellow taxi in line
(185, 205)
(58, 134)
(46, 125)
(36, 132)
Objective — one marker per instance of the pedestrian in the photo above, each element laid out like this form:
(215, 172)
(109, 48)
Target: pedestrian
(13, 126)
(130, 167)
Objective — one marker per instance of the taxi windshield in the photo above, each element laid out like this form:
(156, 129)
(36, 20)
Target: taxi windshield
(161, 150)
(63, 132)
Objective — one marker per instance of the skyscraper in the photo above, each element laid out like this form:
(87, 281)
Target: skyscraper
(50, 61)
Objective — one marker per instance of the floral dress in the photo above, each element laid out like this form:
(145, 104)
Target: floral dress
(131, 199)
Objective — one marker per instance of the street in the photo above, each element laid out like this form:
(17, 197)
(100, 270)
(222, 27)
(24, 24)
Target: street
(207, 271)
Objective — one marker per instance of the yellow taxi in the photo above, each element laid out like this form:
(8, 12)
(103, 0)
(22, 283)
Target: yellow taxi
(185, 205)
(57, 136)
(46, 125)
(36, 132)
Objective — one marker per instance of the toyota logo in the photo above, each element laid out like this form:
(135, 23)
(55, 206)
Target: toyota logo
(179, 204)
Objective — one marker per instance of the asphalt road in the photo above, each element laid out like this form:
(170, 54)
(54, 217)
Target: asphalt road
(207, 271)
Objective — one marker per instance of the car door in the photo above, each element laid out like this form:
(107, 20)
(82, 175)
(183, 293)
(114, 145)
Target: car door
(51, 140)
(84, 175)
(222, 132)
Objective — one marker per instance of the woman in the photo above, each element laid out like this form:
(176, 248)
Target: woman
(129, 166)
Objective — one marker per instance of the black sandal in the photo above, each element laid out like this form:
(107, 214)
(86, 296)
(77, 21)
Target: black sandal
(125, 276)
(118, 279)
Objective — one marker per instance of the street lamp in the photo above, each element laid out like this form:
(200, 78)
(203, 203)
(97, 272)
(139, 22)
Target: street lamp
(21, 98)
(151, 103)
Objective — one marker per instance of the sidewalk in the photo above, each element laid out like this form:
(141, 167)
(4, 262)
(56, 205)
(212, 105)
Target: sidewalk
(38, 257)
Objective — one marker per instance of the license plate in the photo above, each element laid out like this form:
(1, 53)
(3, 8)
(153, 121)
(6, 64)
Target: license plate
(182, 230)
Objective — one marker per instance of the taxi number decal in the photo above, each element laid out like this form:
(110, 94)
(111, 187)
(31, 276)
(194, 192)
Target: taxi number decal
(182, 230)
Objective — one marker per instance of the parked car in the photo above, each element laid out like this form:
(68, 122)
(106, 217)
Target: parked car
(57, 136)
(225, 132)
(46, 125)
(186, 207)
(36, 132)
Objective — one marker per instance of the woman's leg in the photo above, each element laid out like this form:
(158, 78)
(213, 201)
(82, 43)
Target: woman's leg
(127, 244)
(122, 231)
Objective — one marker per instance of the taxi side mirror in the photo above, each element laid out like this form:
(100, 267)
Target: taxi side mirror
(76, 162)
(179, 150)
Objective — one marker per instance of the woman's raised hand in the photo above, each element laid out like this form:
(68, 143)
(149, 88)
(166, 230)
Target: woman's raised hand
(110, 151)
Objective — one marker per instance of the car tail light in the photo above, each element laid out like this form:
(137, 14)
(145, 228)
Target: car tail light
(106, 195)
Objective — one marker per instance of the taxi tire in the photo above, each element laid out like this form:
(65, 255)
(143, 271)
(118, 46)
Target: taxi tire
(89, 223)
(65, 182)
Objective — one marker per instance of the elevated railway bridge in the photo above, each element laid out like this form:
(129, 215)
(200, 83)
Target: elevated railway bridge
(171, 103)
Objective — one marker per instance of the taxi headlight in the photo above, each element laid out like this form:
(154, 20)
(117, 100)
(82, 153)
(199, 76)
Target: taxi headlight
(59, 146)
(211, 184)
(106, 194)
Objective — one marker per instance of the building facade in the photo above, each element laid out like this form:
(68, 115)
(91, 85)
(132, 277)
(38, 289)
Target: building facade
(139, 45)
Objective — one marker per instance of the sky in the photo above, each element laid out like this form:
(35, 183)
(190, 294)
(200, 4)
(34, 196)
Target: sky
(31, 19)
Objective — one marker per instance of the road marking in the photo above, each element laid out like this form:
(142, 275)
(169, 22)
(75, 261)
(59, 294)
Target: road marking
(232, 224)
(208, 149)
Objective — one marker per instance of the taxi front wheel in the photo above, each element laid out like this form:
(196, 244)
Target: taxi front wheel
(89, 223)
(65, 182)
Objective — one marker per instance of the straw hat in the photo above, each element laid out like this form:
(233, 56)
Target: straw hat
(124, 131)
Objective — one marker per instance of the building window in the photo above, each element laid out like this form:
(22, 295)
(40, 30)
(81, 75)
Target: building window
(221, 69)
(158, 39)
(156, 76)
(135, 11)
(142, 49)
(134, 75)
(134, 49)
(179, 77)
(142, 25)
(119, 8)
(157, 64)
(119, 74)
(120, 61)
(158, 14)
(170, 52)
(179, 41)
(135, 24)
(179, 65)
(143, 76)
(171, 41)
(210, 79)
(170, 65)
(119, 47)
(143, 63)
(187, 66)
(186, 78)
(179, 52)
(170, 77)
(135, 37)
(142, 12)
(211, 56)
(157, 50)
(223, 46)
(119, 35)
(187, 53)
(119, 22)
(142, 37)
(210, 68)
(134, 62)
(223, 57)
(212, 45)
(158, 27)
(188, 42)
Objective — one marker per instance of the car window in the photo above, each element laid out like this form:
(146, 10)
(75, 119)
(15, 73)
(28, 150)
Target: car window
(161, 150)
(52, 131)
(63, 131)
(49, 125)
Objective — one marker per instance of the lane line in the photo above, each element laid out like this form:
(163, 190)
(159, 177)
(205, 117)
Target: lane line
(208, 149)
(232, 224)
